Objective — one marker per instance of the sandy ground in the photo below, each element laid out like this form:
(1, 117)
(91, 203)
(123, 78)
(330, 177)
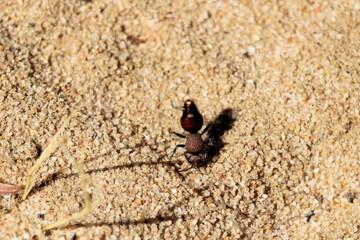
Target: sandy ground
(288, 70)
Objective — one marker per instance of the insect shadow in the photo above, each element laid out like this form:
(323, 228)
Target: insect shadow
(218, 127)
(51, 178)
(221, 124)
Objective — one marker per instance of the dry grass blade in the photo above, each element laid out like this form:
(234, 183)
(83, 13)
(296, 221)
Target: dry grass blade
(89, 205)
(55, 143)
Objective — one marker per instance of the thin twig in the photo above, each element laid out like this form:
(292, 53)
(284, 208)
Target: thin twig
(9, 188)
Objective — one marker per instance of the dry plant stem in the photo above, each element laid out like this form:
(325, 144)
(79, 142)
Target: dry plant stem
(89, 206)
(55, 143)
(9, 188)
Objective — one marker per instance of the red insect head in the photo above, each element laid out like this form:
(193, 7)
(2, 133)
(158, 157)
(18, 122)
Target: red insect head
(191, 120)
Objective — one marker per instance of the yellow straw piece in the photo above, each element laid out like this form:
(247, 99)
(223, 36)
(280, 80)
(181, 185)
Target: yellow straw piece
(50, 149)
(89, 206)
(55, 143)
